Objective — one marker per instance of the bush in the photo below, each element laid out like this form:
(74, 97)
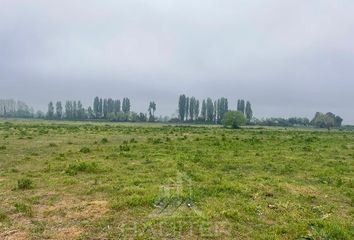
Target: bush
(124, 148)
(23, 208)
(104, 140)
(2, 147)
(3, 216)
(24, 183)
(233, 119)
(85, 150)
(88, 167)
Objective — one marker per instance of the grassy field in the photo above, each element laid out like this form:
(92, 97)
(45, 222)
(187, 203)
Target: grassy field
(62, 180)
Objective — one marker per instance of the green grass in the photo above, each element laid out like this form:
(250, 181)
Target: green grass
(77, 180)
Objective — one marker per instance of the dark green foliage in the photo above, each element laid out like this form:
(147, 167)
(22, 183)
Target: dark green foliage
(59, 110)
(3, 216)
(222, 108)
(23, 208)
(233, 119)
(24, 184)
(152, 109)
(104, 140)
(241, 106)
(126, 105)
(182, 107)
(328, 120)
(50, 113)
(124, 147)
(248, 111)
(209, 110)
(85, 150)
(85, 167)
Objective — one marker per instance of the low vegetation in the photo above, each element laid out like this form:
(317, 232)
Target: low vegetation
(74, 180)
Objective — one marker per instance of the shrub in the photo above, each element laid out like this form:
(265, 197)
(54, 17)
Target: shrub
(24, 183)
(85, 150)
(235, 119)
(88, 167)
(124, 148)
(3, 147)
(104, 140)
(3, 216)
(52, 145)
(23, 208)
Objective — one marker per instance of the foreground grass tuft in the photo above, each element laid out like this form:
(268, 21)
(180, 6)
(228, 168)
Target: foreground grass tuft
(24, 183)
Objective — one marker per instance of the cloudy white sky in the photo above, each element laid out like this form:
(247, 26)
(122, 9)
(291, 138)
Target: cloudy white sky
(289, 58)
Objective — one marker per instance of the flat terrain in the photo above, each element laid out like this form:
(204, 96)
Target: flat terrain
(61, 180)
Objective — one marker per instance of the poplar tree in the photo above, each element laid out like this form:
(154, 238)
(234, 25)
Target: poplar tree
(105, 108)
(96, 107)
(187, 108)
(196, 110)
(249, 113)
(204, 110)
(126, 105)
(59, 110)
(50, 113)
(117, 106)
(182, 107)
(209, 110)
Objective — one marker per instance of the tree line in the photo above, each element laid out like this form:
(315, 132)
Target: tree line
(12, 108)
(209, 111)
(102, 109)
(190, 110)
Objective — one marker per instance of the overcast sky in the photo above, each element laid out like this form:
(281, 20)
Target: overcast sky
(289, 58)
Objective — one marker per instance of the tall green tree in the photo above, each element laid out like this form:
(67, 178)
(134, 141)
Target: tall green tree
(192, 106)
(187, 109)
(152, 109)
(59, 110)
(204, 111)
(96, 107)
(196, 110)
(241, 106)
(80, 111)
(69, 109)
(209, 110)
(110, 105)
(50, 113)
(249, 113)
(74, 110)
(90, 113)
(126, 105)
(105, 108)
(222, 108)
(100, 108)
(117, 107)
(182, 107)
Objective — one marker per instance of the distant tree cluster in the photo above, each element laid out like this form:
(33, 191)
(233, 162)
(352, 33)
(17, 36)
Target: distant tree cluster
(328, 120)
(281, 122)
(212, 112)
(12, 108)
(102, 109)
(190, 110)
